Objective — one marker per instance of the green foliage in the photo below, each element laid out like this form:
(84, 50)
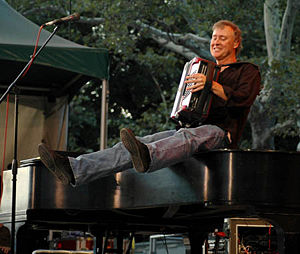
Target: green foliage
(153, 120)
(85, 119)
(143, 75)
(286, 106)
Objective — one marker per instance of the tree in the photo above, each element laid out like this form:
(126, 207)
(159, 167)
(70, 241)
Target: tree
(267, 117)
(149, 42)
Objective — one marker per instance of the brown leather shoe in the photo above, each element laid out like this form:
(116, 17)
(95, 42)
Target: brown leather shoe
(58, 165)
(139, 152)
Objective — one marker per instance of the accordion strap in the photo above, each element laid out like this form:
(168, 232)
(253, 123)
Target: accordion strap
(206, 94)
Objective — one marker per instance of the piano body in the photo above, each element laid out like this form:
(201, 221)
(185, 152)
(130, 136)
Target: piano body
(192, 197)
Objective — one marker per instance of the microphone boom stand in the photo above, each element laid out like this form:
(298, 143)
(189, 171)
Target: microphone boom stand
(15, 161)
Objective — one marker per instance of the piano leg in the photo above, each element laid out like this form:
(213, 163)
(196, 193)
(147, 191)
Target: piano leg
(288, 232)
(196, 242)
(292, 243)
(29, 239)
(99, 243)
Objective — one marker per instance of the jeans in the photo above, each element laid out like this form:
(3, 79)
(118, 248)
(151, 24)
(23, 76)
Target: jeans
(166, 148)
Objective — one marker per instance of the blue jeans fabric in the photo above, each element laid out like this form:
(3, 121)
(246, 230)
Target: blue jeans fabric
(166, 148)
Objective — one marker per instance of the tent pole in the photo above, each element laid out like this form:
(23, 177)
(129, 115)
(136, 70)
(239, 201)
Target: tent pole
(104, 111)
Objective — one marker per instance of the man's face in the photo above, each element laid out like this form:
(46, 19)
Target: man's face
(223, 44)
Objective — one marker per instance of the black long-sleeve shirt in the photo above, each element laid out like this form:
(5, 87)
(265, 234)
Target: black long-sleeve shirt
(241, 84)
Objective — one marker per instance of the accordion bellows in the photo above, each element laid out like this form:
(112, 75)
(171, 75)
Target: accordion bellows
(190, 109)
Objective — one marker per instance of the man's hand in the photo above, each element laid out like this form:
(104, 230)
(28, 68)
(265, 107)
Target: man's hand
(198, 79)
(5, 250)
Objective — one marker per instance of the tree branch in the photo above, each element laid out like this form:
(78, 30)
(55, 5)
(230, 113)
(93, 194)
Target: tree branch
(281, 128)
(41, 9)
(54, 9)
(272, 27)
(287, 26)
(91, 21)
(161, 94)
(173, 36)
(174, 47)
(188, 45)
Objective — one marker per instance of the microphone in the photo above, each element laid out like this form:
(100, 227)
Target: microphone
(73, 17)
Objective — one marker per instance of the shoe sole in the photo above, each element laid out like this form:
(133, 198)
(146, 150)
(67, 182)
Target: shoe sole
(129, 141)
(49, 162)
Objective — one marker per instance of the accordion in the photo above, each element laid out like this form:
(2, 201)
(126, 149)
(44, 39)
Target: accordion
(191, 109)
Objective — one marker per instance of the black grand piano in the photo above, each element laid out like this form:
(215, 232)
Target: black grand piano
(192, 197)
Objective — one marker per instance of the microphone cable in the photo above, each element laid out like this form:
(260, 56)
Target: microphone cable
(7, 108)
(34, 52)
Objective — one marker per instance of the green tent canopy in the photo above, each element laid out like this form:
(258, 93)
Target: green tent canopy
(61, 68)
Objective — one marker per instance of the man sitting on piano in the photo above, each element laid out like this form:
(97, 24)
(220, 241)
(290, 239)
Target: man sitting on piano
(234, 93)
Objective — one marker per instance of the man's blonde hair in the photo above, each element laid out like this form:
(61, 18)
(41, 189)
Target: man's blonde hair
(236, 30)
